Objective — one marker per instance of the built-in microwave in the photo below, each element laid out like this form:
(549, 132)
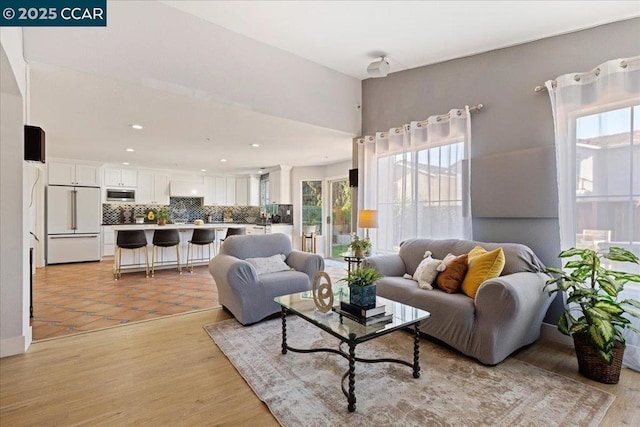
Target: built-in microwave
(120, 195)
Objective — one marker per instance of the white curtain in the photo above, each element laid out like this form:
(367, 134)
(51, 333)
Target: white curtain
(417, 177)
(596, 121)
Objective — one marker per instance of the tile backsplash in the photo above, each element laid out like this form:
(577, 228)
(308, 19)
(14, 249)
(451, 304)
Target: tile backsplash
(181, 209)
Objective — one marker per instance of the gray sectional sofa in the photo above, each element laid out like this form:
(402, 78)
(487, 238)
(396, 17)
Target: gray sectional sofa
(505, 315)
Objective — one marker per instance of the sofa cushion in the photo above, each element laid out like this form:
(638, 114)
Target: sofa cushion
(270, 264)
(452, 315)
(451, 278)
(284, 283)
(483, 265)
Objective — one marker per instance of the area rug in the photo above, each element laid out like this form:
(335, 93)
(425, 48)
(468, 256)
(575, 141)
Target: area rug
(304, 389)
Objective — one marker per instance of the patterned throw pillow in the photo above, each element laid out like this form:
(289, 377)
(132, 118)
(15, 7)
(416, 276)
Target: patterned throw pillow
(451, 278)
(270, 264)
(483, 265)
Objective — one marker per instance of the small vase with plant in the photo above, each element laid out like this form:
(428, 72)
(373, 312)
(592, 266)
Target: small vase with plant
(362, 288)
(139, 218)
(360, 246)
(163, 216)
(592, 292)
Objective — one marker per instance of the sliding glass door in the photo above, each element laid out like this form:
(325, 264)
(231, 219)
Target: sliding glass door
(340, 221)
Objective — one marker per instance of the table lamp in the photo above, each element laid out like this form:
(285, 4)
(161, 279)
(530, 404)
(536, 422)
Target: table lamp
(367, 218)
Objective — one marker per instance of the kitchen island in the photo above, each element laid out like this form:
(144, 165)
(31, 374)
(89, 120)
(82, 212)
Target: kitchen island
(133, 260)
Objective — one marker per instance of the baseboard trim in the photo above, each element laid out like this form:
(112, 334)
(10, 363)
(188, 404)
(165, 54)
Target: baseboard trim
(15, 345)
(551, 333)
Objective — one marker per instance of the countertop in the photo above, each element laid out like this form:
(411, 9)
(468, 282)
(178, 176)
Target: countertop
(219, 225)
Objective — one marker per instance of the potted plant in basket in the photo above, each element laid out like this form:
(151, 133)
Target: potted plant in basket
(592, 292)
(139, 218)
(362, 289)
(360, 246)
(163, 216)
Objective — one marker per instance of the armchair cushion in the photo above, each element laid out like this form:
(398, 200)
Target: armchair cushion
(270, 264)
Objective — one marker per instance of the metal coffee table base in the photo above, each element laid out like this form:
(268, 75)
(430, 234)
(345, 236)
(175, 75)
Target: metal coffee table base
(352, 358)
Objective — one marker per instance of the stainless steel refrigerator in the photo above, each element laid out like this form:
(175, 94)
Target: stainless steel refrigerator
(73, 224)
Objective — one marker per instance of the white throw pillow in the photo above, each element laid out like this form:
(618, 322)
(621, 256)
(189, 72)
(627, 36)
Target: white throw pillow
(270, 264)
(427, 271)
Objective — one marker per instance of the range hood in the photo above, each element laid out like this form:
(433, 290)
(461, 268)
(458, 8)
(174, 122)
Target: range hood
(186, 189)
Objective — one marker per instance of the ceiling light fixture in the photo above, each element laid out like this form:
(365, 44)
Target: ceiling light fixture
(379, 68)
(131, 150)
(137, 127)
(223, 160)
(203, 170)
(255, 145)
(125, 163)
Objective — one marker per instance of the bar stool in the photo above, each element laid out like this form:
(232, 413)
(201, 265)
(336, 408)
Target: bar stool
(165, 239)
(130, 239)
(235, 231)
(200, 237)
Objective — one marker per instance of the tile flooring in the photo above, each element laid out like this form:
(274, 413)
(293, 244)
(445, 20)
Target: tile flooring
(72, 298)
(75, 298)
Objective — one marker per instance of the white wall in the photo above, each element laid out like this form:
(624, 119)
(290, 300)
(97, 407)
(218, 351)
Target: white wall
(311, 173)
(15, 332)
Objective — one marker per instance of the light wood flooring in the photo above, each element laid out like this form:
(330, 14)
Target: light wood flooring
(169, 372)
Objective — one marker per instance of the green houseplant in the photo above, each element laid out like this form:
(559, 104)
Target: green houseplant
(163, 216)
(139, 218)
(592, 292)
(360, 246)
(362, 289)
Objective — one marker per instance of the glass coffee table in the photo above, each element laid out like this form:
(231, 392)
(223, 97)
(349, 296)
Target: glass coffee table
(352, 332)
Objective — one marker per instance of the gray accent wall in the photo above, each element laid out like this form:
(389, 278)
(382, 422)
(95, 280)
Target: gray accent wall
(512, 137)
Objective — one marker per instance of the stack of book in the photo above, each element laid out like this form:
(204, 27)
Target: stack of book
(366, 316)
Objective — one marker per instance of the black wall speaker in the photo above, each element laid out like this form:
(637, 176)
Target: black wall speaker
(353, 177)
(33, 144)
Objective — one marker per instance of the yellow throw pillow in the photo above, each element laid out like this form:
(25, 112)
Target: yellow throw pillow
(483, 265)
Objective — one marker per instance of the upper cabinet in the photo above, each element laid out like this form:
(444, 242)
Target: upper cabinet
(153, 188)
(220, 190)
(248, 191)
(280, 186)
(120, 177)
(64, 173)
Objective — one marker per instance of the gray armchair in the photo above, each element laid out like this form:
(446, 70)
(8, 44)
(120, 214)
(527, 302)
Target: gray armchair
(248, 295)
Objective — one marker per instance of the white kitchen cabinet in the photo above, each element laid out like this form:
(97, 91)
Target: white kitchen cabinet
(153, 188)
(120, 177)
(231, 191)
(64, 173)
(284, 229)
(242, 191)
(248, 191)
(220, 190)
(108, 242)
(280, 186)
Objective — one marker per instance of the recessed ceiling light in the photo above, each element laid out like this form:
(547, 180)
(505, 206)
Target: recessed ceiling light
(131, 150)
(203, 170)
(137, 127)
(255, 145)
(125, 163)
(223, 160)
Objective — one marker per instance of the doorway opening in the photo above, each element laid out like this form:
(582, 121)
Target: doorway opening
(340, 220)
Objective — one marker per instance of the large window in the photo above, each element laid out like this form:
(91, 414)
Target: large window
(420, 194)
(607, 195)
(312, 205)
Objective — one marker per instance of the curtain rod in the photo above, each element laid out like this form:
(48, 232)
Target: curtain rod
(474, 108)
(596, 71)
